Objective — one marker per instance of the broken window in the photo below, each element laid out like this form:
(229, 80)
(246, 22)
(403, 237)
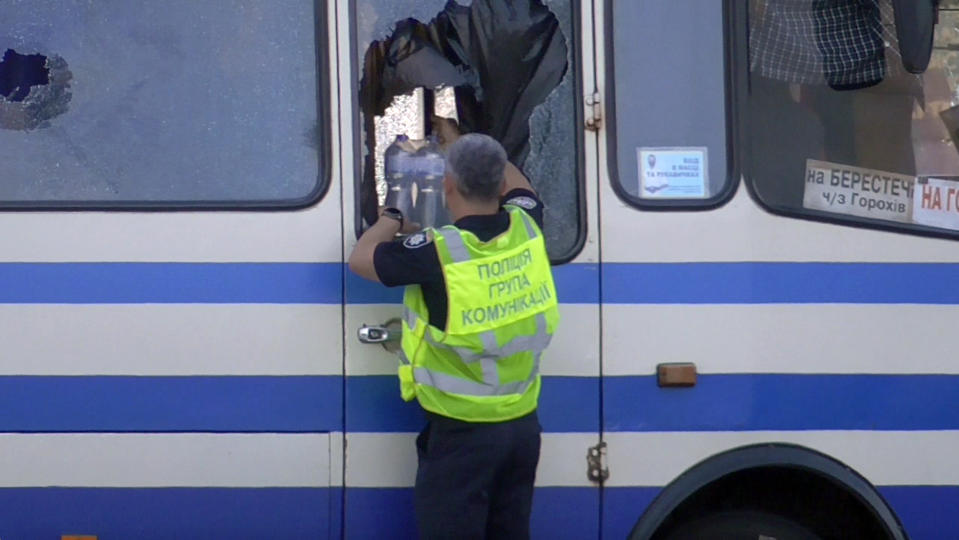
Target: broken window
(504, 68)
(180, 104)
(671, 142)
(853, 112)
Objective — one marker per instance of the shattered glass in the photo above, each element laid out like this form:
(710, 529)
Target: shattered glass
(551, 160)
(176, 101)
(33, 89)
(554, 148)
(404, 116)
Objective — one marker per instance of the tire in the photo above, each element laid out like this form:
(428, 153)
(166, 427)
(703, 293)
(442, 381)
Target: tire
(741, 525)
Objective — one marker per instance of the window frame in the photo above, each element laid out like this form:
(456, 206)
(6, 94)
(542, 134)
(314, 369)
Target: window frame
(734, 116)
(741, 66)
(580, 139)
(323, 156)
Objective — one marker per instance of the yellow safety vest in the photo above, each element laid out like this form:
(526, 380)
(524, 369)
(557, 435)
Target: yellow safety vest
(501, 316)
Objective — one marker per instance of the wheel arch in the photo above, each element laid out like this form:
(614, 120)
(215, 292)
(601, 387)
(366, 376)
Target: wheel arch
(797, 460)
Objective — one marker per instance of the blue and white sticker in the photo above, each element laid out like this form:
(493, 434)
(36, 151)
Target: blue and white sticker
(523, 202)
(673, 173)
(417, 240)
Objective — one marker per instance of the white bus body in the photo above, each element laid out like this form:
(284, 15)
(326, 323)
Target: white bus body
(197, 373)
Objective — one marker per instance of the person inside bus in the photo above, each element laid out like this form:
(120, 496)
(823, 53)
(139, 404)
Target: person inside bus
(479, 309)
(828, 78)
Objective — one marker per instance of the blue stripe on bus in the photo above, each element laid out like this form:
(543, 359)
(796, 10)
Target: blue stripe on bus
(255, 513)
(248, 404)
(926, 512)
(623, 506)
(164, 513)
(749, 402)
(623, 283)
(575, 284)
(363, 291)
(756, 402)
(558, 512)
(760, 283)
(159, 404)
(373, 404)
(131, 283)
(231, 283)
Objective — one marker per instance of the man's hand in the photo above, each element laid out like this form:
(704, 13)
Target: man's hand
(446, 129)
(361, 259)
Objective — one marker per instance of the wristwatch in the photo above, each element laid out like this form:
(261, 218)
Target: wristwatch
(394, 214)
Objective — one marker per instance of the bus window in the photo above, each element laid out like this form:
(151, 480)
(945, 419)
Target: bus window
(849, 118)
(182, 104)
(670, 138)
(507, 69)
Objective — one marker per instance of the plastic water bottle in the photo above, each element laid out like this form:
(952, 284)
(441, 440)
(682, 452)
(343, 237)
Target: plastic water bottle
(397, 163)
(430, 208)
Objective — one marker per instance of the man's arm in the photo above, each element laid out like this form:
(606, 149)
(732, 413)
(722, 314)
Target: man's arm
(515, 179)
(384, 230)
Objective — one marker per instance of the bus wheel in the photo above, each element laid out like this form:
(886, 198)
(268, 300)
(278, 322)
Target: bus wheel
(741, 525)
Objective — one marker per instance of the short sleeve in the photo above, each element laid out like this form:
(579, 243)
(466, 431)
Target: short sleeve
(528, 201)
(408, 262)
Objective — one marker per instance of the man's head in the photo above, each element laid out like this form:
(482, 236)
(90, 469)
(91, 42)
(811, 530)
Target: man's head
(474, 169)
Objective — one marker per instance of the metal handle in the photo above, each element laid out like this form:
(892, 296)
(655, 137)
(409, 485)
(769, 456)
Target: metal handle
(373, 334)
(387, 334)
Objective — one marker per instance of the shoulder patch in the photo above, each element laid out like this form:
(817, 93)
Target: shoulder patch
(416, 240)
(523, 202)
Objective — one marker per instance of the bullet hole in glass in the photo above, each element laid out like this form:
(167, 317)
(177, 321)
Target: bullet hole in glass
(20, 72)
(34, 88)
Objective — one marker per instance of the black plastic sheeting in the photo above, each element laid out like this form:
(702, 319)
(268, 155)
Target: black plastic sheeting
(504, 58)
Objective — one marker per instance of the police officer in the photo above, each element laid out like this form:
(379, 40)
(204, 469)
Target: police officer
(479, 309)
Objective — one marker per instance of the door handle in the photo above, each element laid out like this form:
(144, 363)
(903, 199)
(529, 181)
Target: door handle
(387, 334)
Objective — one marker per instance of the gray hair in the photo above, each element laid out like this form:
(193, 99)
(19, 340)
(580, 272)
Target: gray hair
(476, 163)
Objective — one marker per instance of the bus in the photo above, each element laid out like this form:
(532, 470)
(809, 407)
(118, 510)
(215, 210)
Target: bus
(754, 242)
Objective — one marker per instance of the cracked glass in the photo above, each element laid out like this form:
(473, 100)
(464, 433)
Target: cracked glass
(152, 103)
(553, 160)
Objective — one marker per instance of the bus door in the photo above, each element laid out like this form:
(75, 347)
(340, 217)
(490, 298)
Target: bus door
(729, 325)
(542, 111)
(666, 152)
(170, 270)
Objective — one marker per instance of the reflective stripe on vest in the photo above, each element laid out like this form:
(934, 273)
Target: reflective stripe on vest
(488, 358)
(501, 346)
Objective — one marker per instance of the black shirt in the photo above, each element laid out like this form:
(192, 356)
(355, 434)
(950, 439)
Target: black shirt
(415, 261)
